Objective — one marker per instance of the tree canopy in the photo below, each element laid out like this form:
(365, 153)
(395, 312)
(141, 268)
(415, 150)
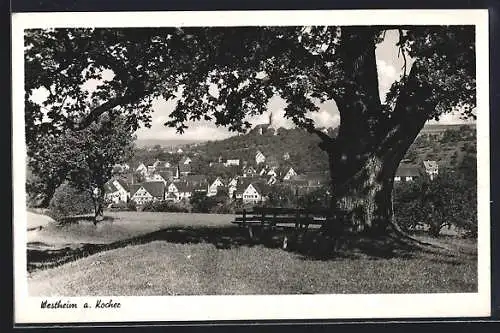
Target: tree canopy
(83, 158)
(226, 75)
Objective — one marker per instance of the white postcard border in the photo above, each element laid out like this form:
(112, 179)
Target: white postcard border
(193, 308)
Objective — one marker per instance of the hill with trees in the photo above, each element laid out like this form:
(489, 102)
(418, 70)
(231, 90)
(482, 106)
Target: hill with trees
(302, 149)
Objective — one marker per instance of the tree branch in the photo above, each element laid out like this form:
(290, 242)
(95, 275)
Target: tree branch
(401, 49)
(127, 97)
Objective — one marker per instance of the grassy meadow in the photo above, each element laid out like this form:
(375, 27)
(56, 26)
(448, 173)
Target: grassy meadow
(135, 254)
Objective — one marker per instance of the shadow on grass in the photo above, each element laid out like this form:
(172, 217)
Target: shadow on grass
(310, 246)
(81, 218)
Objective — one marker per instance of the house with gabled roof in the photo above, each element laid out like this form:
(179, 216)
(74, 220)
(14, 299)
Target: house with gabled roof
(232, 162)
(111, 193)
(272, 171)
(406, 173)
(255, 192)
(180, 190)
(273, 179)
(431, 168)
(318, 178)
(147, 191)
(142, 169)
(249, 171)
(259, 157)
(116, 190)
(185, 160)
(289, 174)
(214, 186)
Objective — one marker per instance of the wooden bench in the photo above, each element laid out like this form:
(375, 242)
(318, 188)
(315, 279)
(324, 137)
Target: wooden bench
(296, 220)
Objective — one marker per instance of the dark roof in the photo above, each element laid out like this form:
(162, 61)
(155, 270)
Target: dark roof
(166, 174)
(196, 179)
(183, 186)
(156, 189)
(123, 183)
(407, 171)
(109, 187)
(134, 188)
(242, 185)
(261, 187)
(184, 167)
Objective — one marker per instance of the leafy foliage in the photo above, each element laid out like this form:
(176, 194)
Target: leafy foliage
(165, 206)
(68, 201)
(445, 201)
(84, 158)
(245, 65)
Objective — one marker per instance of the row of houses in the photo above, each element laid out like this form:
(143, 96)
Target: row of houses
(250, 189)
(165, 181)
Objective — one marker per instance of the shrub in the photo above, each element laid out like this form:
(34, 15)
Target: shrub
(68, 201)
(165, 206)
(122, 206)
(445, 201)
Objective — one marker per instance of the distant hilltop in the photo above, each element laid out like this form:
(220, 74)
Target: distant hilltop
(172, 143)
(439, 128)
(165, 143)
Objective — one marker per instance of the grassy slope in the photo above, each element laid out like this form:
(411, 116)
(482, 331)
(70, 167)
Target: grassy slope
(162, 268)
(176, 254)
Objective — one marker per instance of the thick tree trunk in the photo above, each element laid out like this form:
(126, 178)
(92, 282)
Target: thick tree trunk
(362, 201)
(371, 140)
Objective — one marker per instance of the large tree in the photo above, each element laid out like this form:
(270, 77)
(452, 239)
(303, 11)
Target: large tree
(83, 158)
(227, 75)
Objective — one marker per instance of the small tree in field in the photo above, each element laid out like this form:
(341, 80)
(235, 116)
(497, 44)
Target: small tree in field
(83, 158)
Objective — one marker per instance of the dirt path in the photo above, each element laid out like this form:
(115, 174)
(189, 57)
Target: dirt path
(37, 221)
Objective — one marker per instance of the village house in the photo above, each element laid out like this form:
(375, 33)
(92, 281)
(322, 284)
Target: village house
(158, 177)
(232, 162)
(232, 186)
(249, 172)
(313, 179)
(184, 169)
(179, 191)
(289, 174)
(147, 192)
(259, 157)
(272, 171)
(120, 168)
(272, 180)
(186, 160)
(255, 192)
(151, 169)
(158, 164)
(431, 168)
(142, 169)
(111, 193)
(197, 180)
(214, 186)
(263, 171)
(122, 188)
(406, 173)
